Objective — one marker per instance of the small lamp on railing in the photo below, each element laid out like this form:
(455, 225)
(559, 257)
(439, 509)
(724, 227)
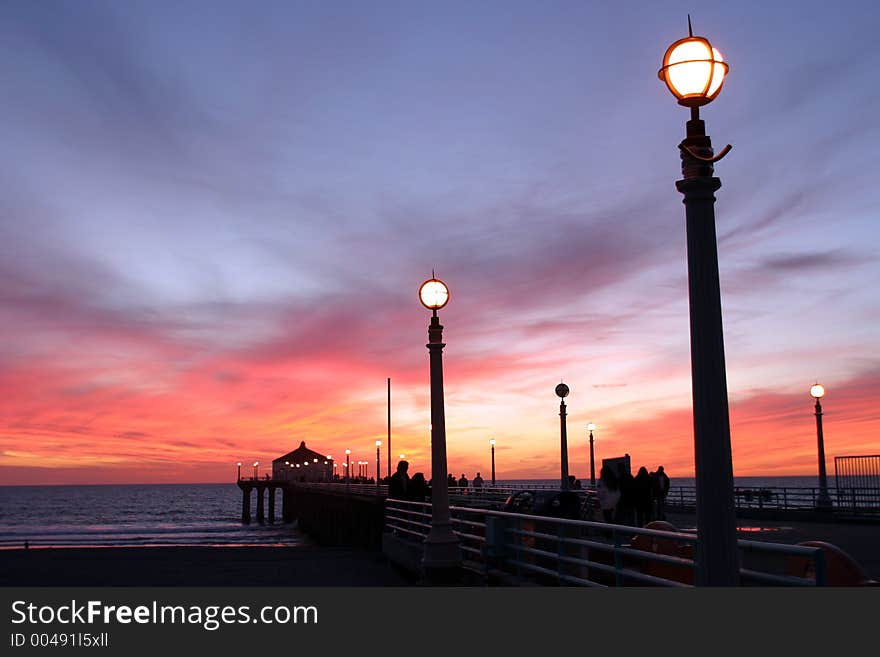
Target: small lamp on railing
(239, 470)
(256, 465)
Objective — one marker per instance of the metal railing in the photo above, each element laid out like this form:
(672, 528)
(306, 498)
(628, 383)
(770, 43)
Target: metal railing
(560, 551)
(785, 498)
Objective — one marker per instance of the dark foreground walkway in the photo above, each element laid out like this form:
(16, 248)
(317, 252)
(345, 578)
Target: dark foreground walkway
(861, 540)
(196, 566)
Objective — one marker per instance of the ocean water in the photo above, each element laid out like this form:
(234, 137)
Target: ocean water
(134, 515)
(182, 514)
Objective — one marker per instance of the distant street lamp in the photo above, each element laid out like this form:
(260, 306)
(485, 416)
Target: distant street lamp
(694, 72)
(239, 470)
(442, 554)
(256, 465)
(817, 391)
(590, 428)
(347, 469)
(562, 392)
(492, 445)
(378, 465)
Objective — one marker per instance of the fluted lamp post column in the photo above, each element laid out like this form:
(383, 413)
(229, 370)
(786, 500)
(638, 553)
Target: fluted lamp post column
(694, 72)
(562, 392)
(590, 428)
(817, 391)
(442, 554)
(492, 445)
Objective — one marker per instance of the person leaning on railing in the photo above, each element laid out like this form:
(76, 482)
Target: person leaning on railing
(609, 493)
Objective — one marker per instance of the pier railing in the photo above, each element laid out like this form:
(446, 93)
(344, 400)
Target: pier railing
(558, 551)
(859, 501)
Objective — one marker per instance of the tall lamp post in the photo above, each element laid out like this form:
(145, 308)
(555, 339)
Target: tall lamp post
(694, 72)
(239, 470)
(590, 428)
(562, 392)
(817, 391)
(378, 465)
(256, 465)
(347, 469)
(442, 555)
(492, 445)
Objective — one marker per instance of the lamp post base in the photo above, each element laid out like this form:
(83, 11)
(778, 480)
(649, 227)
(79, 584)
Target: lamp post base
(442, 558)
(823, 503)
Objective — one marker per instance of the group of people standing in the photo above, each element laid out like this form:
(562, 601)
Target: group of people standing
(463, 481)
(403, 487)
(628, 500)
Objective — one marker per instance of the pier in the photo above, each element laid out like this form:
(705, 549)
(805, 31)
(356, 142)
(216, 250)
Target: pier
(502, 548)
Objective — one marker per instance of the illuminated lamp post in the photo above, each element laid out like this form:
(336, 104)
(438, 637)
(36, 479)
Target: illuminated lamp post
(378, 465)
(817, 391)
(256, 465)
(562, 391)
(590, 428)
(442, 555)
(239, 470)
(694, 72)
(492, 446)
(347, 469)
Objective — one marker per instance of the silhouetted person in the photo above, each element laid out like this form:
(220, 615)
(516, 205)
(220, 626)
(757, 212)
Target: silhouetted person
(463, 482)
(418, 488)
(626, 505)
(609, 493)
(450, 481)
(398, 486)
(478, 482)
(642, 497)
(661, 490)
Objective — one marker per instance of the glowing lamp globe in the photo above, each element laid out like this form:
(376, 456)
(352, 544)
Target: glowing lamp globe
(591, 426)
(562, 390)
(378, 443)
(693, 71)
(492, 442)
(817, 391)
(434, 294)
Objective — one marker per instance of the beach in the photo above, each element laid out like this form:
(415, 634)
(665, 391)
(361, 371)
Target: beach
(196, 566)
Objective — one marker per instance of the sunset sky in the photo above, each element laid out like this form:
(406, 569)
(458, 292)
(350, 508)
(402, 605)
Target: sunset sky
(215, 217)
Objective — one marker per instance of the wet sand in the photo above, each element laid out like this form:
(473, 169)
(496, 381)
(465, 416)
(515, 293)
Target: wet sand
(196, 566)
